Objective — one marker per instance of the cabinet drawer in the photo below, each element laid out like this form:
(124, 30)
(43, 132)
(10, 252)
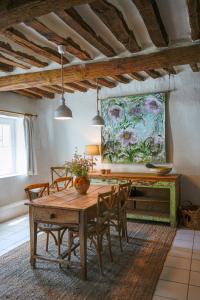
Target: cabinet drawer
(57, 216)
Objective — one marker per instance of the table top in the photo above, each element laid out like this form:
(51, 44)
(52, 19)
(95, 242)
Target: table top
(70, 199)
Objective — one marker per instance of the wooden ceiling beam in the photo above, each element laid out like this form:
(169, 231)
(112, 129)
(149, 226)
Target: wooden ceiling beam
(154, 74)
(18, 38)
(75, 86)
(194, 18)
(87, 84)
(27, 93)
(106, 83)
(116, 66)
(12, 63)
(194, 67)
(70, 46)
(114, 20)
(13, 12)
(42, 93)
(22, 57)
(6, 68)
(151, 16)
(75, 21)
(170, 70)
(51, 89)
(66, 89)
(120, 78)
(137, 76)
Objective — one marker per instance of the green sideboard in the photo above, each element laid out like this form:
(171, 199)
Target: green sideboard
(159, 195)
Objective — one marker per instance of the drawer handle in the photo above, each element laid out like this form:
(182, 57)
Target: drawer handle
(52, 216)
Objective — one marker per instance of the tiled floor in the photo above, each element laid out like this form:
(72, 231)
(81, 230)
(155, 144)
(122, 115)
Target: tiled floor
(180, 278)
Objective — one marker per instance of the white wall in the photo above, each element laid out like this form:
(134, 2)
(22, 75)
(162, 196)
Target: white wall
(12, 188)
(183, 126)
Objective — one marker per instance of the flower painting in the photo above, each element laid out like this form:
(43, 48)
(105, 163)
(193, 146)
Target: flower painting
(134, 130)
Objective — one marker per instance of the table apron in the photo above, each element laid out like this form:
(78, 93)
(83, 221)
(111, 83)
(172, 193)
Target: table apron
(55, 215)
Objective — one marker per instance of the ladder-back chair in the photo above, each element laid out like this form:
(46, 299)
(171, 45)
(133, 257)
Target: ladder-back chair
(38, 190)
(59, 171)
(98, 227)
(63, 183)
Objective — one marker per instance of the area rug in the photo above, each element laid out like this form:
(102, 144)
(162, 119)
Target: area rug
(133, 274)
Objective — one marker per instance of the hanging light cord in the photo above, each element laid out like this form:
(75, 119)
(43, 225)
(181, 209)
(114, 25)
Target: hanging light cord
(97, 96)
(62, 78)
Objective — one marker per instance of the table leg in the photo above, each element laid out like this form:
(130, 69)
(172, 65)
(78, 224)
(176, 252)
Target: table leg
(33, 237)
(83, 243)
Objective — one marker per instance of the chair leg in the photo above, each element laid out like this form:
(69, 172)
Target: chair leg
(99, 253)
(59, 242)
(70, 243)
(47, 241)
(125, 227)
(109, 244)
(119, 234)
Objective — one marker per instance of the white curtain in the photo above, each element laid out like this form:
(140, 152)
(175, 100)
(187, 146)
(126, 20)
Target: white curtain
(29, 135)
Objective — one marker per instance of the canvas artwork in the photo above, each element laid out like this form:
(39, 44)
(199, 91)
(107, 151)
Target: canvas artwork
(134, 130)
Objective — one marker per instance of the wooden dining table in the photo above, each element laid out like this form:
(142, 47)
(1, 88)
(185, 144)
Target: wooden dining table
(64, 208)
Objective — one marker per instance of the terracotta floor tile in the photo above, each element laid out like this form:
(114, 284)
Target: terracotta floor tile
(194, 293)
(176, 275)
(171, 290)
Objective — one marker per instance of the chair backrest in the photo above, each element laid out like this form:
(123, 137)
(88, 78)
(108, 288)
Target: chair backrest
(63, 183)
(58, 172)
(124, 192)
(37, 190)
(106, 203)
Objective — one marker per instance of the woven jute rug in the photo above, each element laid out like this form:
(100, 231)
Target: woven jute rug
(133, 274)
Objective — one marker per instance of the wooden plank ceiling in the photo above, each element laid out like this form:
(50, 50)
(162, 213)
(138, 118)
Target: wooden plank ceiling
(101, 40)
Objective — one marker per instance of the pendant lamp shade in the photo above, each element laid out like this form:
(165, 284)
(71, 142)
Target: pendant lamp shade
(63, 112)
(98, 121)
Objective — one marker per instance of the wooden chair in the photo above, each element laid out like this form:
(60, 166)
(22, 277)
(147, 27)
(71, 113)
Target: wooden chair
(97, 228)
(39, 190)
(118, 218)
(123, 199)
(63, 183)
(59, 171)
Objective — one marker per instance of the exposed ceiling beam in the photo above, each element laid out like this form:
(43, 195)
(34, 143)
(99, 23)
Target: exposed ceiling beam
(194, 17)
(75, 86)
(117, 66)
(13, 63)
(154, 74)
(51, 89)
(121, 78)
(17, 37)
(114, 20)
(149, 11)
(70, 45)
(13, 12)
(194, 67)
(6, 68)
(22, 57)
(87, 84)
(67, 90)
(41, 93)
(170, 70)
(27, 94)
(136, 76)
(106, 83)
(74, 20)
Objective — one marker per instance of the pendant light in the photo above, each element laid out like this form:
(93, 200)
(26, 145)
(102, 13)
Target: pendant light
(63, 112)
(98, 120)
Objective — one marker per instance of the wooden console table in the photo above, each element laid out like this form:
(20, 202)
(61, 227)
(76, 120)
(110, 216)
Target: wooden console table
(169, 183)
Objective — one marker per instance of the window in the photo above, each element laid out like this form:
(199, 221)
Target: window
(12, 146)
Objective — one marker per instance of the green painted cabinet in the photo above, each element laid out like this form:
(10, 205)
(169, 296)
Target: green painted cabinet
(167, 186)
